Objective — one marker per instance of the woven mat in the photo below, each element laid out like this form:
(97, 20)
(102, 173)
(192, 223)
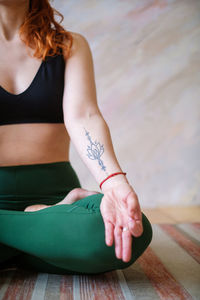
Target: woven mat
(168, 269)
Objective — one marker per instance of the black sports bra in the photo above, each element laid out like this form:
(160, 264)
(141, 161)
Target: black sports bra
(42, 101)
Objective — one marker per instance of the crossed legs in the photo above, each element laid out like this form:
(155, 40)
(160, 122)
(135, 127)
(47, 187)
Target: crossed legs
(65, 238)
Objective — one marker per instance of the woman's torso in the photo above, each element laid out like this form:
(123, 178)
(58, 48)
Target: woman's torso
(28, 143)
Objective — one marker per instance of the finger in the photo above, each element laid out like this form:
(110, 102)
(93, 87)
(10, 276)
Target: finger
(135, 215)
(118, 241)
(135, 227)
(126, 245)
(133, 205)
(109, 233)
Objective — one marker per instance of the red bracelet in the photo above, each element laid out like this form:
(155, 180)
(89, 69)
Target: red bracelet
(111, 176)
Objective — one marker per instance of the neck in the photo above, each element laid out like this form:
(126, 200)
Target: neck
(12, 16)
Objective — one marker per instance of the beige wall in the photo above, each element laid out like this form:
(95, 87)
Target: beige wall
(147, 69)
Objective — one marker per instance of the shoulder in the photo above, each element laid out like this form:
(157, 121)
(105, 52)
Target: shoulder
(78, 38)
(80, 46)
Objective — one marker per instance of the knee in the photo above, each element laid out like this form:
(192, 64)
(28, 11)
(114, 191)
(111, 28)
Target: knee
(104, 259)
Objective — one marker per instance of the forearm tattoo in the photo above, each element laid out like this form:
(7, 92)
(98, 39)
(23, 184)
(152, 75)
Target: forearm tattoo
(95, 151)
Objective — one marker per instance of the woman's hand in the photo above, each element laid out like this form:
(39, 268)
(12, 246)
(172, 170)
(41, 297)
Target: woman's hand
(120, 208)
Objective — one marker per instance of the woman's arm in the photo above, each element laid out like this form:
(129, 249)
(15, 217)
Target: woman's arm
(90, 134)
(86, 126)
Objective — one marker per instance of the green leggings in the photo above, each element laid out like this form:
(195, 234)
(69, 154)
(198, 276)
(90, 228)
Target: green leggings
(61, 239)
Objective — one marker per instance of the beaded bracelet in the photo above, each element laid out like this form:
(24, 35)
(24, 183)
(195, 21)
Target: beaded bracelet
(111, 176)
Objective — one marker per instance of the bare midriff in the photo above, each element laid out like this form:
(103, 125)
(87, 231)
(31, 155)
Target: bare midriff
(33, 143)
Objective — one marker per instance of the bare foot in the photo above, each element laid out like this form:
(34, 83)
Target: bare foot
(73, 196)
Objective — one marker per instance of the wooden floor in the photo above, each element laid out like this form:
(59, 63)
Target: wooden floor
(172, 214)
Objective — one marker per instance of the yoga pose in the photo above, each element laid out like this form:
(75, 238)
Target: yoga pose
(48, 222)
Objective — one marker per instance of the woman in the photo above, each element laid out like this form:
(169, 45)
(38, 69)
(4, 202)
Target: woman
(48, 221)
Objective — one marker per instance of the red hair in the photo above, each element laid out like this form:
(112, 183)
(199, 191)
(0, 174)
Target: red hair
(41, 32)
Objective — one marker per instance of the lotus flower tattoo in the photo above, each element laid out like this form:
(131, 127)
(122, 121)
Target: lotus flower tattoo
(95, 150)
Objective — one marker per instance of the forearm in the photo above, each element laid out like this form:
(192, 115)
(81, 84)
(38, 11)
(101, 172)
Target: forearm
(92, 139)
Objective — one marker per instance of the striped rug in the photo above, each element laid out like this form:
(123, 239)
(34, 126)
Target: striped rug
(168, 269)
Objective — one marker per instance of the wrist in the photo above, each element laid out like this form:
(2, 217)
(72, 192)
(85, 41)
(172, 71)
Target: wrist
(114, 181)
